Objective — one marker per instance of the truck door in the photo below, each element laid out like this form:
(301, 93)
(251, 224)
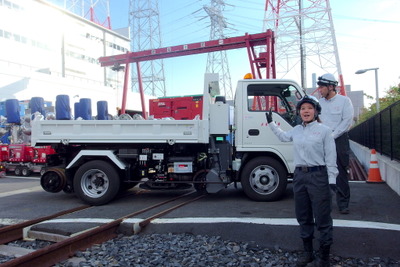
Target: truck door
(255, 134)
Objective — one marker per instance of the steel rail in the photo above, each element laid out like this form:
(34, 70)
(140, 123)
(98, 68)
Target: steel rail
(156, 205)
(146, 221)
(14, 232)
(357, 170)
(363, 174)
(60, 251)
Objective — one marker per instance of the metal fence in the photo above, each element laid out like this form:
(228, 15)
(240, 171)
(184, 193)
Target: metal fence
(381, 132)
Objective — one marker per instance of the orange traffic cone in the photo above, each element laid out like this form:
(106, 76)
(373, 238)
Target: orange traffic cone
(374, 176)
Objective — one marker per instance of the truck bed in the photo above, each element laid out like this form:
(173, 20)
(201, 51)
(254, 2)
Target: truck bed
(119, 131)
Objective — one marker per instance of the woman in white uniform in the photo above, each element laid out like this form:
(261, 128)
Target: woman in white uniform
(315, 161)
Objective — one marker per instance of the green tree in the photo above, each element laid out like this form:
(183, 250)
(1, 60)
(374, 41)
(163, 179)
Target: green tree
(392, 96)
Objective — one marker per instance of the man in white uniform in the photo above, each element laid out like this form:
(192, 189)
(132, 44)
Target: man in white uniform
(337, 113)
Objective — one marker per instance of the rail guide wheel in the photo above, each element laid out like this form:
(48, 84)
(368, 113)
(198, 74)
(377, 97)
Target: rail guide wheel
(53, 180)
(200, 179)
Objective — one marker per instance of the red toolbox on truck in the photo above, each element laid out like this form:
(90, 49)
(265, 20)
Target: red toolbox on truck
(179, 108)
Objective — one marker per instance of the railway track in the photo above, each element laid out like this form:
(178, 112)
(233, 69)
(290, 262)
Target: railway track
(64, 249)
(357, 172)
(15, 232)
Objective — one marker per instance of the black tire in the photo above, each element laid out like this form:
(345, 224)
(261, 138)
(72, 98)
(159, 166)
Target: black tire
(68, 189)
(200, 177)
(96, 182)
(264, 179)
(26, 171)
(18, 171)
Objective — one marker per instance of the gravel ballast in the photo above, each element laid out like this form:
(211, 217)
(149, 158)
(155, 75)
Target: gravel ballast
(181, 250)
(186, 250)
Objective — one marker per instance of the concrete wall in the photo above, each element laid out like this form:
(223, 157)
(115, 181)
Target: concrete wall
(389, 169)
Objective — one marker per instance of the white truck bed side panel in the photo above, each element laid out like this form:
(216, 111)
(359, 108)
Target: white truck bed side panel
(119, 131)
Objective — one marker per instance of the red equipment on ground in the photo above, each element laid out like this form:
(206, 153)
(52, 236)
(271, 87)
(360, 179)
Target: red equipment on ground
(23, 159)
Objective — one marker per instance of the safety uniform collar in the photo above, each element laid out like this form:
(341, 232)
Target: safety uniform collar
(309, 124)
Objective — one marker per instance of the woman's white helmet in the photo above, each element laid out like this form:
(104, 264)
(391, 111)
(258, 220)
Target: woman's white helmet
(327, 79)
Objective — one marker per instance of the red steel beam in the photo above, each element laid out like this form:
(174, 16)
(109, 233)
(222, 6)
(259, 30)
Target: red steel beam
(188, 49)
(265, 60)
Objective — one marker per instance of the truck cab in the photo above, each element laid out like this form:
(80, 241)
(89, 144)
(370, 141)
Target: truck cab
(265, 162)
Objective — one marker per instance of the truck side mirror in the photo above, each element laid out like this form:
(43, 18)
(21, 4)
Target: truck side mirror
(286, 93)
(220, 98)
(213, 88)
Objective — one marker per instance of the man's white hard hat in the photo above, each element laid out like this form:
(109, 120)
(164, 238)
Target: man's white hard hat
(327, 79)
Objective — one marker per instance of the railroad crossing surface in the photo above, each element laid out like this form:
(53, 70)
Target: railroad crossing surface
(371, 229)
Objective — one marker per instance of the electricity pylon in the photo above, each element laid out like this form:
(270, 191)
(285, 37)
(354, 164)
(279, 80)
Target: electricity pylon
(217, 62)
(305, 38)
(144, 22)
(97, 11)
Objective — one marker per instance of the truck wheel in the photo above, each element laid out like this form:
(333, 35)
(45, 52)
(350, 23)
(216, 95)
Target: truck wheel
(26, 171)
(96, 182)
(18, 171)
(264, 179)
(198, 178)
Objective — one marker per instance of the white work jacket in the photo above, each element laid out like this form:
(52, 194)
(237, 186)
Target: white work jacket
(313, 145)
(337, 113)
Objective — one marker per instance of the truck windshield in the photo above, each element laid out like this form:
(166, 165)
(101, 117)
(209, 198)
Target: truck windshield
(281, 98)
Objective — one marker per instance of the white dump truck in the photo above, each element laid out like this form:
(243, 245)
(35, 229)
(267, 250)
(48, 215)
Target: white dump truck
(229, 143)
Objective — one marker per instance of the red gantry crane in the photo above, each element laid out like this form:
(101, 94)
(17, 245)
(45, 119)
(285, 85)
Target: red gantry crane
(257, 63)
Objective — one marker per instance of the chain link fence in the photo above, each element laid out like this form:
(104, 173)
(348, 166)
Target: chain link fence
(381, 132)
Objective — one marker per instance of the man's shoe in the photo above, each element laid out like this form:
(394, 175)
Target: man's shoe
(344, 211)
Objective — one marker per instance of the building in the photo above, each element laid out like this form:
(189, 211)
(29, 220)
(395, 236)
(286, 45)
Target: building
(47, 51)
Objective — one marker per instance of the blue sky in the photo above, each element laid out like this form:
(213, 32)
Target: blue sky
(366, 32)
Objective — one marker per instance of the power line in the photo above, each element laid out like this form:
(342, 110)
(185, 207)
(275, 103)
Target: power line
(181, 8)
(367, 19)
